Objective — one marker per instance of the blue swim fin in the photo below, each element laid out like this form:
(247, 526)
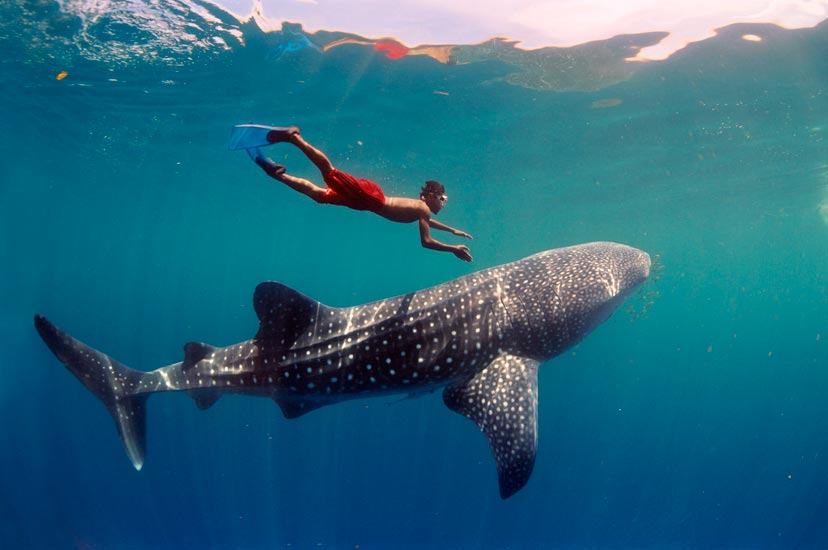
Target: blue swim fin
(250, 136)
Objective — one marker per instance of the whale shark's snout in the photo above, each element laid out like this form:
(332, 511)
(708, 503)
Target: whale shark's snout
(617, 269)
(645, 262)
(625, 269)
(638, 269)
(567, 292)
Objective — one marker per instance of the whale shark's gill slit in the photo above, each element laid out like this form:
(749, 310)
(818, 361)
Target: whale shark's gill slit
(507, 314)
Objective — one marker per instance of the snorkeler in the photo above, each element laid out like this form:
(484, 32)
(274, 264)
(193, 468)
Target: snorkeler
(360, 194)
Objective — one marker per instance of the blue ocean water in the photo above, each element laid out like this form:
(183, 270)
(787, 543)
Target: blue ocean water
(699, 423)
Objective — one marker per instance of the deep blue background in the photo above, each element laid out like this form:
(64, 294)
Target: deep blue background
(125, 220)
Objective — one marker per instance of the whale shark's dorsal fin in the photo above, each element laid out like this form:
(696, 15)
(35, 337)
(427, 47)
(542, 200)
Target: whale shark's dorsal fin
(284, 314)
(502, 400)
(195, 352)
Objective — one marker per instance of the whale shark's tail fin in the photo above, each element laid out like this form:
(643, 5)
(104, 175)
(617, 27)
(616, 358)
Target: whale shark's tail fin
(112, 382)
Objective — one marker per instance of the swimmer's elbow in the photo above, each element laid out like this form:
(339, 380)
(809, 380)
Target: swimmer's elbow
(431, 244)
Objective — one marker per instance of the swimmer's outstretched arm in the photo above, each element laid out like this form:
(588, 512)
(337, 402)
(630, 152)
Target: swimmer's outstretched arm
(459, 250)
(434, 224)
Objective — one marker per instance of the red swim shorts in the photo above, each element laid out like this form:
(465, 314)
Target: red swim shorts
(346, 190)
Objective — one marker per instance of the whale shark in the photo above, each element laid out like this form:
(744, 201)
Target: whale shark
(481, 338)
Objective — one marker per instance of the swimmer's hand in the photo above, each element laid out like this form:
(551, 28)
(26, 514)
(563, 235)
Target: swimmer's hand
(462, 252)
(459, 233)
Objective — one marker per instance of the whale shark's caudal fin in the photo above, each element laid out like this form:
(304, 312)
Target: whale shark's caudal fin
(502, 400)
(108, 379)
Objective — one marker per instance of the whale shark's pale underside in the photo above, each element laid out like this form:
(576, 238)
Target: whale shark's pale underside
(480, 337)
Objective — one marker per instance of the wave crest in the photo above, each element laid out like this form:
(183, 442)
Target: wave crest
(171, 32)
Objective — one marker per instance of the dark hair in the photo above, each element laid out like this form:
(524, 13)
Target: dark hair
(433, 187)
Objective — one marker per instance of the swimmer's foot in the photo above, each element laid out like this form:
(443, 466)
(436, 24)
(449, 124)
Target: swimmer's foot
(273, 170)
(282, 134)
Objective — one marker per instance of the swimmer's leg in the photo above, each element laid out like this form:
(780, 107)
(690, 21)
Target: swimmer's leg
(317, 157)
(277, 172)
(292, 135)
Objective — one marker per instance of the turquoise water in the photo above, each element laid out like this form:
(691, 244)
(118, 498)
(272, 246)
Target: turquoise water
(125, 219)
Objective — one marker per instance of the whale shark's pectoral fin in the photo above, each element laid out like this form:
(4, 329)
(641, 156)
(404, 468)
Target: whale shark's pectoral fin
(502, 400)
(284, 314)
